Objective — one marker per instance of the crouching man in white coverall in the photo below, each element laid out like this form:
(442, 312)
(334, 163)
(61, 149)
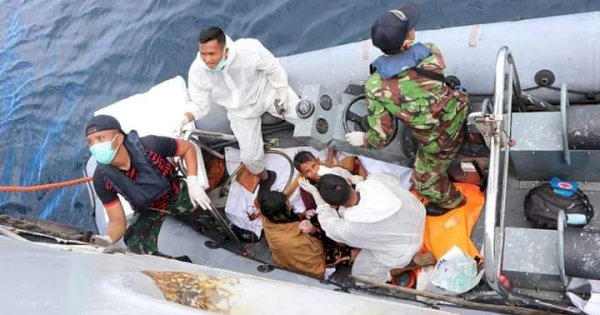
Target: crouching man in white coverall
(382, 219)
(246, 79)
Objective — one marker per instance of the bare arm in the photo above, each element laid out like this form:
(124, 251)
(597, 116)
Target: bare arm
(187, 151)
(116, 221)
(292, 187)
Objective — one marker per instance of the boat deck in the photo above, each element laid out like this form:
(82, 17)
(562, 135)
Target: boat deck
(515, 217)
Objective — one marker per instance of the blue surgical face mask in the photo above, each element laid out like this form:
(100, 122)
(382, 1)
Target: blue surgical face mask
(103, 151)
(221, 65)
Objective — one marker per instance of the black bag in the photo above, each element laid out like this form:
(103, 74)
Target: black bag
(542, 206)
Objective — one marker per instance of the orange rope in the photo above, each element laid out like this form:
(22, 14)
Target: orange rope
(68, 183)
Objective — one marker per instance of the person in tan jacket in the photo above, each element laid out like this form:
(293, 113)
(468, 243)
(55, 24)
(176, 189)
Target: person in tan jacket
(294, 242)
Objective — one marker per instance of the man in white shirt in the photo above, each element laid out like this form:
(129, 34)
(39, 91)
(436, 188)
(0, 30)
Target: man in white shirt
(382, 219)
(246, 79)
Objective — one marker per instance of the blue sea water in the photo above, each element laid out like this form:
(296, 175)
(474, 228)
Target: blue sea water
(61, 60)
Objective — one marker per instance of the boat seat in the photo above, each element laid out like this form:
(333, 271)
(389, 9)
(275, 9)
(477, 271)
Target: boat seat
(539, 152)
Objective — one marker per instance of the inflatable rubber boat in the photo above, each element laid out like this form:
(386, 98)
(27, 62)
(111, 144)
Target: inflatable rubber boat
(534, 86)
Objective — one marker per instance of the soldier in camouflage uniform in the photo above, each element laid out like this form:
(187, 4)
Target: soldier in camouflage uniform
(408, 83)
(142, 236)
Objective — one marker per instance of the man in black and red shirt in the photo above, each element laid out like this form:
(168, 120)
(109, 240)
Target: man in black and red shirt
(138, 169)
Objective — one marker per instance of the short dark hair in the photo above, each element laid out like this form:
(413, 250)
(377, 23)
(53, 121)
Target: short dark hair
(301, 158)
(273, 206)
(334, 189)
(211, 33)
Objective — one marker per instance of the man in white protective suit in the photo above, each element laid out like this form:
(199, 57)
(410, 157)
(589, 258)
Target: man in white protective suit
(378, 216)
(246, 79)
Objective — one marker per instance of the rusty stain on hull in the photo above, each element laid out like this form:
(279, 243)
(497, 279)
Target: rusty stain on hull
(205, 292)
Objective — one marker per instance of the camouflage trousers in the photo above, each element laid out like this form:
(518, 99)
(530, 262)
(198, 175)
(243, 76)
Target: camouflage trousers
(142, 235)
(430, 177)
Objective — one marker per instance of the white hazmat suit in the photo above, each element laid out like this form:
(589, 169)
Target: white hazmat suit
(387, 224)
(247, 87)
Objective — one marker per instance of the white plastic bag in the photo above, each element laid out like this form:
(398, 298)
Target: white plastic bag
(455, 273)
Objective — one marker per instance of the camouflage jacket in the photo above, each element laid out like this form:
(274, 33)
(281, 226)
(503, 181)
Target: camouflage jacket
(429, 107)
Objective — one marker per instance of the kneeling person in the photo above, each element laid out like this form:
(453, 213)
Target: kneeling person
(138, 169)
(379, 217)
(291, 248)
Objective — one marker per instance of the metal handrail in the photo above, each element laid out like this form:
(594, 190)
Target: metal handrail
(505, 86)
(493, 253)
(564, 122)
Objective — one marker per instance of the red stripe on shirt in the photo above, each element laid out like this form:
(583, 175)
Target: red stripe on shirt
(164, 167)
(111, 203)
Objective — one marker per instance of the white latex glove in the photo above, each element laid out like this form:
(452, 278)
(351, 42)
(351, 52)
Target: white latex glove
(101, 240)
(188, 127)
(197, 194)
(280, 100)
(311, 189)
(178, 130)
(356, 138)
(184, 121)
(355, 179)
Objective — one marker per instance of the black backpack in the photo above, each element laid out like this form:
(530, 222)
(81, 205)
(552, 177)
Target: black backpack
(542, 206)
